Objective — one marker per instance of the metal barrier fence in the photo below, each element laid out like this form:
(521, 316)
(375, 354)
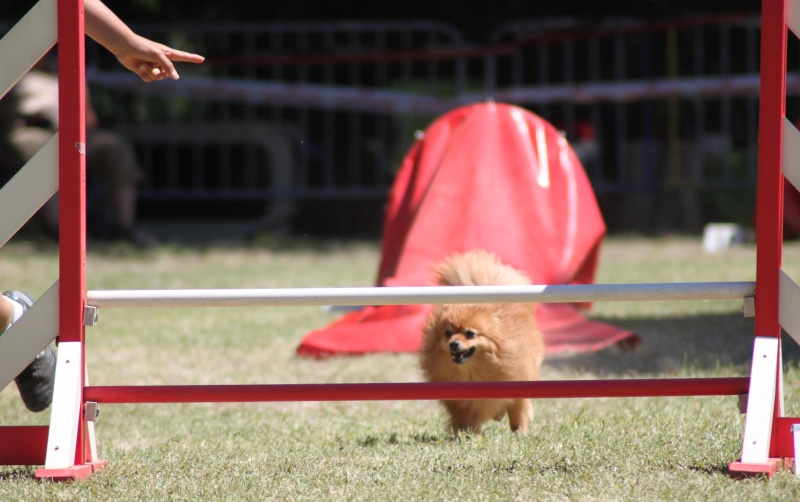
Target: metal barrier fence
(664, 115)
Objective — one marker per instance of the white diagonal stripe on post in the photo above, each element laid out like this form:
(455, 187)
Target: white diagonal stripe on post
(27, 42)
(790, 158)
(28, 190)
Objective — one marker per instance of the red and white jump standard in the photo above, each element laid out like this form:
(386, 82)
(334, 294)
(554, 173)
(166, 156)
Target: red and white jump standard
(66, 448)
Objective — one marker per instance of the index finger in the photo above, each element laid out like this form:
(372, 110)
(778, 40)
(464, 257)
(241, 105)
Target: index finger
(183, 57)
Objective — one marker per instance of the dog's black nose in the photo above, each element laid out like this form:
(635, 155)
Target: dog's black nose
(455, 345)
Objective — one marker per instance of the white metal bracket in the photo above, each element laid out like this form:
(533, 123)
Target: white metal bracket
(91, 410)
(90, 315)
(749, 306)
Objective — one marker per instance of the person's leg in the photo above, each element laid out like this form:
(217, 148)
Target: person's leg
(123, 200)
(36, 381)
(111, 157)
(10, 311)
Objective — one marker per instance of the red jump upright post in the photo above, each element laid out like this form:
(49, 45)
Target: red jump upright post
(70, 447)
(767, 442)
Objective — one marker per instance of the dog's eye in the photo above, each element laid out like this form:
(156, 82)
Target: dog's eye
(448, 333)
(470, 334)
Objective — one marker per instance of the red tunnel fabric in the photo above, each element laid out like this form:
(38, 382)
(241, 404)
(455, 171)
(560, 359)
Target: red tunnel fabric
(492, 176)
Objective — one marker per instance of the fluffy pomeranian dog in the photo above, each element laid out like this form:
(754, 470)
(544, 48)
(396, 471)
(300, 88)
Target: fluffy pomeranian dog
(482, 342)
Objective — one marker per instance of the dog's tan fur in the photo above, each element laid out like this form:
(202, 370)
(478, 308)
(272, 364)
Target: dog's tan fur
(507, 344)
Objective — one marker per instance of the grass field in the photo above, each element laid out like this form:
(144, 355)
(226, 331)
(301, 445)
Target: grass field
(593, 449)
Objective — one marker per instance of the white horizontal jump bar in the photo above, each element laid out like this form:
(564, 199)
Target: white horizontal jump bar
(419, 295)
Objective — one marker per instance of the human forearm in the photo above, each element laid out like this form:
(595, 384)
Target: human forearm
(148, 59)
(105, 27)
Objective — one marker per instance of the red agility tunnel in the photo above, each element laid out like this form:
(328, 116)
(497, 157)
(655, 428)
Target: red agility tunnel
(490, 176)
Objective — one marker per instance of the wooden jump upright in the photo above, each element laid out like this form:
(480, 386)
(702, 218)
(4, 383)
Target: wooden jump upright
(65, 448)
(768, 437)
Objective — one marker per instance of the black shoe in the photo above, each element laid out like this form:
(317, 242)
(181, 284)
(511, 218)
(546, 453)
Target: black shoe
(36, 382)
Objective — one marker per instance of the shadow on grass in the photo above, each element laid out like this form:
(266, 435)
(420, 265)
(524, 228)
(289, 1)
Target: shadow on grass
(676, 344)
(17, 472)
(721, 470)
(423, 438)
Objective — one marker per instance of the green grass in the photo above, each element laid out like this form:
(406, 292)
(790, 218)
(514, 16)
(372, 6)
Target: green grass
(579, 449)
